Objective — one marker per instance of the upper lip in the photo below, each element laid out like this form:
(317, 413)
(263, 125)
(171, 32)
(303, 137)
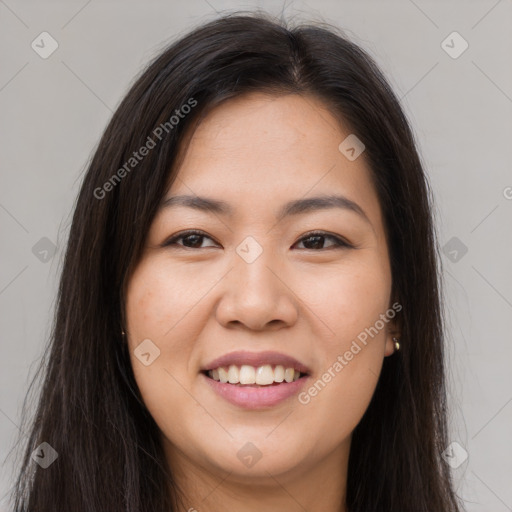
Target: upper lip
(256, 359)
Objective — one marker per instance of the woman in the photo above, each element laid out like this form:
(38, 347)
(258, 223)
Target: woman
(249, 315)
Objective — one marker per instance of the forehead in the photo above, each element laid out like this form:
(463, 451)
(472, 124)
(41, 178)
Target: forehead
(258, 150)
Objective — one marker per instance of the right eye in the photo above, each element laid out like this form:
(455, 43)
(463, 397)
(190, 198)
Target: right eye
(191, 239)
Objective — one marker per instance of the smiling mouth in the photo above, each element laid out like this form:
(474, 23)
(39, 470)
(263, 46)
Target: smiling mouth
(249, 376)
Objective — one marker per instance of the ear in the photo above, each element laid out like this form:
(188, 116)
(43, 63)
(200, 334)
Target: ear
(390, 344)
(393, 330)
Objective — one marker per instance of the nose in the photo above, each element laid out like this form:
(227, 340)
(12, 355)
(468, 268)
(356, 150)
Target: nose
(257, 295)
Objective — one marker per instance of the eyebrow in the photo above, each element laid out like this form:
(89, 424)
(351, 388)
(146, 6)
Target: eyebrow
(295, 207)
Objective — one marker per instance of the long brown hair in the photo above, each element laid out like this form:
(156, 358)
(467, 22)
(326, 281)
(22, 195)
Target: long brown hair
(90, 410)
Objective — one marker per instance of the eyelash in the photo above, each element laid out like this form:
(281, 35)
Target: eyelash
(339, 242)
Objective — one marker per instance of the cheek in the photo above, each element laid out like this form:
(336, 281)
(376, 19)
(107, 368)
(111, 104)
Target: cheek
(353, 352)
(161, 302)
(159, 308)
(349, 299)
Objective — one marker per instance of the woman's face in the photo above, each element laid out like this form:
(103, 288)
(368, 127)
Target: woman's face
(257, 291)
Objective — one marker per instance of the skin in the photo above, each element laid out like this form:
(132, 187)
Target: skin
(307, 300)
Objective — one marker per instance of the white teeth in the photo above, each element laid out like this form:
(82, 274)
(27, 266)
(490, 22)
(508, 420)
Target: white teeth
(288, 374)
(223, 375)
(279, 373)
(246, 374)
(264, 375)
(233, 374)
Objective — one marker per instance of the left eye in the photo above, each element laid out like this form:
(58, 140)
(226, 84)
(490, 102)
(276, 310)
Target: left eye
(316, 240)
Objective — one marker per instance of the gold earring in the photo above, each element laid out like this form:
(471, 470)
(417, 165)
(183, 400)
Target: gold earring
(397, 344)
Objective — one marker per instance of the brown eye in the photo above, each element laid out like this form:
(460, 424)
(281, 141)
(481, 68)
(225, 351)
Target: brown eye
(191, 240)
(315, 241)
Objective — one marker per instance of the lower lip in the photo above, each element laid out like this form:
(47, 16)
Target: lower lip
(249, 397)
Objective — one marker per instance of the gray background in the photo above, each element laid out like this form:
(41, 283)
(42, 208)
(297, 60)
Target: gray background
(53, 112)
